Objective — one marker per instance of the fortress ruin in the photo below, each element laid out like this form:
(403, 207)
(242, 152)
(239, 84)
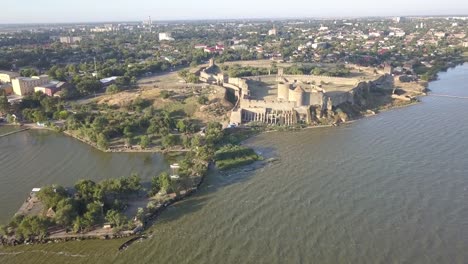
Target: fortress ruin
(292, 99)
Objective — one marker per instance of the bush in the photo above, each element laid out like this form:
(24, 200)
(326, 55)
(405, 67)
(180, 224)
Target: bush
(202, 100)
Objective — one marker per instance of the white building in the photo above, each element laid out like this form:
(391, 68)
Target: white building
(272, 32)
(165, 36)
(70, 40)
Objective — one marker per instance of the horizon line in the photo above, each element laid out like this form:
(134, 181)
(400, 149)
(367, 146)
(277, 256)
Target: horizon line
(235, 19)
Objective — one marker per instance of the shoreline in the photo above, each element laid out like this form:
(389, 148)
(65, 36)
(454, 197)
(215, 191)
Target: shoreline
(33, 126)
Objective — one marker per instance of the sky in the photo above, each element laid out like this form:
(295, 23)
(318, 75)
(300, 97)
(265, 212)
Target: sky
(66, 11)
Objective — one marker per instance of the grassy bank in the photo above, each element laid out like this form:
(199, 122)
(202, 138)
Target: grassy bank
(229, 157)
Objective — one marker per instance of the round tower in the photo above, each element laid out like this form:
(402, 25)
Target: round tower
(298, 96)
(283, 91)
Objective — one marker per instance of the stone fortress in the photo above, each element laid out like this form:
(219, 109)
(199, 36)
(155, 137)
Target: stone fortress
(291, 99)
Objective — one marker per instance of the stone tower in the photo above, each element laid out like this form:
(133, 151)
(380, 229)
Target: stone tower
(283, 91)
(298, 96)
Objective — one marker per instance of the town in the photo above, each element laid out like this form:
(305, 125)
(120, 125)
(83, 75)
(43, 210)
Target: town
(199, 88)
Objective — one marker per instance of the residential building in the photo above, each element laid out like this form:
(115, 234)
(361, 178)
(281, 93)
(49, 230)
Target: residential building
(272, 32)
(50, 88)
(70, 40)
(165, 36)
(25, 85)
(6, 76)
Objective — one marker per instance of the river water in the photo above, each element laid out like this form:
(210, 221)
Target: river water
(392, 188)
(36, 158)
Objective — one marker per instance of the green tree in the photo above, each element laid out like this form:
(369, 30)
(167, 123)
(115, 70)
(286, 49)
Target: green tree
(203, 100)
(112, 89)
(102, 141)
(94, 214)
(28, 72)
(33, 226)
(79, 224)
(116, 218)
(86, 190)
(182, 125)
(39, 116)
(88, 86)
(65, 212)
(170, 141)
(183, 74)
(155, 185)
(164, 181)
(50, 196)
(145, 141)
(5, 106)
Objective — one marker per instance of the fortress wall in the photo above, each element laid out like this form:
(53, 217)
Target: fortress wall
(340, 98)
(246, 103)
(313, 99)
(231, 86)
(317, 79)
(283, 91)
(205, 75)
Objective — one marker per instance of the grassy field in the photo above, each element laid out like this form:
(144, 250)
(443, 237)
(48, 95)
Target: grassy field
(89, 251)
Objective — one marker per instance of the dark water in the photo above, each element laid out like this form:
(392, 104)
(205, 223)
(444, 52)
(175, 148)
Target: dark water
(35, 158)
(386, 189)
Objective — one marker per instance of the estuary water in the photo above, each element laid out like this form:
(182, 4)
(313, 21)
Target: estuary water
(35, 158)
(392, 188)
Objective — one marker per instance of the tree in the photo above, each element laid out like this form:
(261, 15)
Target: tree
(102, 141)
(155, 185)
(88, 86)
(145, 141)
(192, 78)
(93, 214)
(182, 125)
(170, 141)
(116, 218)
(50, 196)
(78, 224)
(202, 100)
(112, 89)
(214, 133)
(33, 226)
(183, 74)
(28, 72)
(86, 190)
(39, 116)
(5, 106)
(164, 181)
(99, 123)
(65, 212)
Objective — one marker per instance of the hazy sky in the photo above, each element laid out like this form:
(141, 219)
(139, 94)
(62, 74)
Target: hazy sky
(28, 11)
